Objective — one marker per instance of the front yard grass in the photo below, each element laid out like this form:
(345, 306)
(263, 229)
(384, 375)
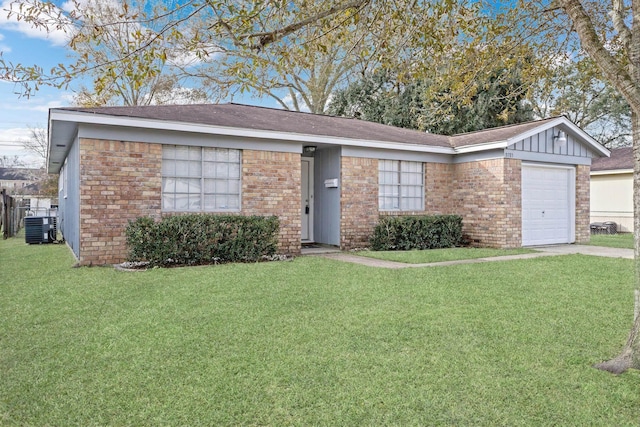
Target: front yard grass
(313, 342)
(440, 255)
(622, 240)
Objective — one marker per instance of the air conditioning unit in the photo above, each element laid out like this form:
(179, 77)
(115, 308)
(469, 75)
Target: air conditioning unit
(40, 229)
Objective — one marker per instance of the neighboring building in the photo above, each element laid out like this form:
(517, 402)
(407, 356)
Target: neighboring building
(328, 179)
(17, 180)
(41, 206)
(612, 189)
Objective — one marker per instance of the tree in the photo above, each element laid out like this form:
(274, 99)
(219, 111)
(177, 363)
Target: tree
(499, 100)
(37, 143)
(277, 37)
(575, 89)
(302, 77)
(11, 162)
(147, 77)
(611, 38)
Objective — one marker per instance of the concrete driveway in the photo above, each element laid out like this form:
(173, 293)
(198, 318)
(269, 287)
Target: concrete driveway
(586, 250)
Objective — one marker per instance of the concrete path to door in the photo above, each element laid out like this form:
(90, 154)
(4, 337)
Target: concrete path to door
(554, 250)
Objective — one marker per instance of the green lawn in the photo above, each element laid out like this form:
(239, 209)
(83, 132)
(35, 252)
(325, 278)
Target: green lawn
(439, 255)
(313, 342)
(622, 240)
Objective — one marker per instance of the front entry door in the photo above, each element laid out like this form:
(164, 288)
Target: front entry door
(306, 211)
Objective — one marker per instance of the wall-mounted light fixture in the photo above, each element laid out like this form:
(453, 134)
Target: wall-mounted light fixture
(560, 139)
(309, 149)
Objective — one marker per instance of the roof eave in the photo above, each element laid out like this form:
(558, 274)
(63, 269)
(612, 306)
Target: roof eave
(99, 119)
(612, 172)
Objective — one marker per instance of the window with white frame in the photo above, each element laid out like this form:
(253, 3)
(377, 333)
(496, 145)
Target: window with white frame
(200, 179)
(63, 183)
(400, 185)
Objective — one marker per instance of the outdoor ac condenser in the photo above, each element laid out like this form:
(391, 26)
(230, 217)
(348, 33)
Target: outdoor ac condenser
(40, 229)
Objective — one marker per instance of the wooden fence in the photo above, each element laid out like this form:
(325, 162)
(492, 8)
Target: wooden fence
(12, 212)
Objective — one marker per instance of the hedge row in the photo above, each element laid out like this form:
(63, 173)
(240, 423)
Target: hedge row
(197, 239)
(417, 232)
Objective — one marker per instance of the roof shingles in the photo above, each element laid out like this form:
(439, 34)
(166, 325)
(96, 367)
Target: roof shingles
(621, 158)
(269, 119)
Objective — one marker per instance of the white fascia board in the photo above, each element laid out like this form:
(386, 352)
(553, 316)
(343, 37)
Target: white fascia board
(91, 118)
(507, 142)
(612, 172)
(482, 147)
(595, 145)
(573, 129)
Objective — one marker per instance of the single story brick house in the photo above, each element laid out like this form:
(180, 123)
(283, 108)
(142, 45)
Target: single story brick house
(612, 189)
(328, 179)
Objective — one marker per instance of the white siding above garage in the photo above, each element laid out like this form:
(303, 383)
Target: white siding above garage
(548, 204)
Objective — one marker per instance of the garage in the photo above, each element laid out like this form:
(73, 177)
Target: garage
(548, 204)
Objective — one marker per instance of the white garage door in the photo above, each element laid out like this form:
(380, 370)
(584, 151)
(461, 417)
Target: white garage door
(548, 200)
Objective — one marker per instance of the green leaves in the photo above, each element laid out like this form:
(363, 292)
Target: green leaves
(198, 239)
(417, 232)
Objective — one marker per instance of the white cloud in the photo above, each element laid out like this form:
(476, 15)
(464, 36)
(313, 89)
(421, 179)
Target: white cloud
(288, 100)
(35, 105)
(11, 146)
(3, 47)
(56, 36)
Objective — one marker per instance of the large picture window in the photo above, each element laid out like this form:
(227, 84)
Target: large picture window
(200, 179)
(400, 185)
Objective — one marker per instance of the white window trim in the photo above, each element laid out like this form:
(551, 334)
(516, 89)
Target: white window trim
(400, 185)
(202, 184)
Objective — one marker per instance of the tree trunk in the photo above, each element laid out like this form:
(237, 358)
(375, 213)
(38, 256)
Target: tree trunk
(625, 76)
(630, 355)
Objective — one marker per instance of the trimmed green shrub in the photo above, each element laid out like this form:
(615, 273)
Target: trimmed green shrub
(417, 232)
(197, 239)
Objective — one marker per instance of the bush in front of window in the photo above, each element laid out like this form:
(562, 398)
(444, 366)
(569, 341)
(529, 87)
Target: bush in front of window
(197, 239)
(400, 233)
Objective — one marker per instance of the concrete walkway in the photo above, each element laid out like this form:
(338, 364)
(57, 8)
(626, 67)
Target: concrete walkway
(554, 250)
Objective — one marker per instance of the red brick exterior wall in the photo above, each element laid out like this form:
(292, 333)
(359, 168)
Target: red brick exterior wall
(438, 189)
(488, 197)
(583, 232)
(119, 181)
(358, 201)
(271, 185)
(359, 198)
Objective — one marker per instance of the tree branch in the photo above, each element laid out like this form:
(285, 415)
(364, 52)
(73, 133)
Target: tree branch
(610, 67)
(266, 38)
(617, 15)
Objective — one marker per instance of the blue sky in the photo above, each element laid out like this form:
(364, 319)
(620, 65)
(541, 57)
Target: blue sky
(20, 43)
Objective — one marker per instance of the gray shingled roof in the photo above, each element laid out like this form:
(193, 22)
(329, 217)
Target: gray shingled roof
(289, 122)
(501, 133)
(269, 119)
(16, 174)
(621, 158)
